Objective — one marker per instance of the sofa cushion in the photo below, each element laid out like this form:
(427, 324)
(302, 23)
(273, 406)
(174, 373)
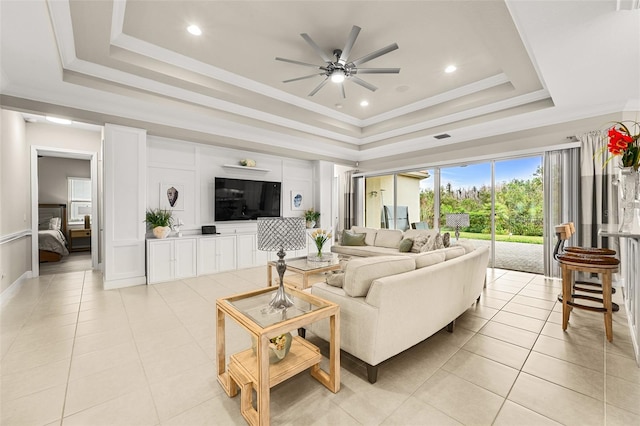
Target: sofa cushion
(370, 239)
(360, 273)
(466, 244)
(453, 252)
(353, 239)
(427, 259)
(405, 245)
(389, 238)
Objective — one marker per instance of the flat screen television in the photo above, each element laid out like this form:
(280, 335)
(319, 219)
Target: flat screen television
(241, 199)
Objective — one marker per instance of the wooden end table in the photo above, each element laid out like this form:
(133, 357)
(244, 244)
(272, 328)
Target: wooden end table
(248, 371)
(304, 267)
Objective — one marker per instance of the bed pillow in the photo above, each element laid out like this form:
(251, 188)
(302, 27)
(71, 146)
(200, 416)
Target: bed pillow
(55, 223)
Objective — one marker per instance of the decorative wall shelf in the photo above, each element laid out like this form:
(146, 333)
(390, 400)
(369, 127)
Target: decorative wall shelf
(251, 169)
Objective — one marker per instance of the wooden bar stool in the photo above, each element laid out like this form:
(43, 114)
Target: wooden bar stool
(564, 232)
(602, 265)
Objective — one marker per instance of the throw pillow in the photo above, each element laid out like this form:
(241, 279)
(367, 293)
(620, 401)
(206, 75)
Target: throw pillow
(430, 245)
(419, 241)
(405, 245)
(439, 243)
(351, 239)
(434, 243)
(335, 278)
(55, 223)
(446, 239)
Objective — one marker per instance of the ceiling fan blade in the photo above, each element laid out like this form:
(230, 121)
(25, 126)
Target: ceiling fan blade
(376, 70)
(344, 96)
(373, 55)
(302, 78)
(363, 83)
(291, 61)
(349, 44)
(318, 87)
(316, 47)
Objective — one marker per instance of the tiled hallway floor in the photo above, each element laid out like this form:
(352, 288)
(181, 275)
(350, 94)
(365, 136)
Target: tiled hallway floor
(73, 354)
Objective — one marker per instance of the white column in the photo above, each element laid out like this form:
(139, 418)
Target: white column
(125, 167)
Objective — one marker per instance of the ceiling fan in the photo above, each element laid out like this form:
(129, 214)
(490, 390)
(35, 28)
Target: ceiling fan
(339, 69)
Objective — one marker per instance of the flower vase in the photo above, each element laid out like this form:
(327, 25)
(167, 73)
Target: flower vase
(629, 190)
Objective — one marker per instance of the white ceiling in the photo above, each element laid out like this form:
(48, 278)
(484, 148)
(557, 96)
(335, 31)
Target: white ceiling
(521, 64)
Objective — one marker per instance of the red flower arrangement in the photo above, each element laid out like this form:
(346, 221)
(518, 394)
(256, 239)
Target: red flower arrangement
(625, 144)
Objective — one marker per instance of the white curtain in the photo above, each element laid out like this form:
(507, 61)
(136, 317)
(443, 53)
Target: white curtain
(599, 201)
(561, 199)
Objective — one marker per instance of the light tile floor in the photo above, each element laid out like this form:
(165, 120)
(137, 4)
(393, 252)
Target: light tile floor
(73, 354)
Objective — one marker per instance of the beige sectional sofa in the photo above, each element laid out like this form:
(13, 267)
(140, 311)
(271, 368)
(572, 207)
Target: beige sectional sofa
(380, 242)
(390, 303)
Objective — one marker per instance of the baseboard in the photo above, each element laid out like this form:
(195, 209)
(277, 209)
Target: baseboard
(9, 292)
(127, 282)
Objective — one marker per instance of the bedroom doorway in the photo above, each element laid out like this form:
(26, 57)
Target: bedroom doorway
(63, 163)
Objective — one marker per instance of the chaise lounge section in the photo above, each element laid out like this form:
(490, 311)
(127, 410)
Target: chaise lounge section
(390, 303)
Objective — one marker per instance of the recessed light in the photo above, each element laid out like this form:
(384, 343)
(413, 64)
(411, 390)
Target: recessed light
(450, 69)
(194, 29)
(339, 106)
(58, 120)
(364, 103)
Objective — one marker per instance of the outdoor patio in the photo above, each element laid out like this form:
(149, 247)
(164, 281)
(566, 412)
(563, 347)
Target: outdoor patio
(517, 256)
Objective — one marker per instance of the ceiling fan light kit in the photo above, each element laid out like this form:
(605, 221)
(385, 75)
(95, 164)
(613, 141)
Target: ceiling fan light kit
(340, 69)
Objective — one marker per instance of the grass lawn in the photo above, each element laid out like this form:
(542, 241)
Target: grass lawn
(507, 238)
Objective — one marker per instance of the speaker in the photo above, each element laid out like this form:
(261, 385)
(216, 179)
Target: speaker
(209, 229)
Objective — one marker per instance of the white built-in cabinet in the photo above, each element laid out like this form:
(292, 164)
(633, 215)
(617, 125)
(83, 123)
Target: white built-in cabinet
(174, 258)
(216, 254)
(170, 259)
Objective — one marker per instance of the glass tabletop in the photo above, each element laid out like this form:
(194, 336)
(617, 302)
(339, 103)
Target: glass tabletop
(304, 264)
(257, 308)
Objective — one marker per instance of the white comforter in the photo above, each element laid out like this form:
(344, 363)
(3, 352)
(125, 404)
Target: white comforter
(53, 240)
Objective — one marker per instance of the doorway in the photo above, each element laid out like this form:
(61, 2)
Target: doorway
(65, 158)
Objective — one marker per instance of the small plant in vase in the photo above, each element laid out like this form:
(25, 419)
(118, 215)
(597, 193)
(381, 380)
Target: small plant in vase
(320, 237)
(311, 216)
(160, 221)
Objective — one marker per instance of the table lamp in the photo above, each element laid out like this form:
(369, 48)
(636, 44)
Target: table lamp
(281, 233)
(456, 220)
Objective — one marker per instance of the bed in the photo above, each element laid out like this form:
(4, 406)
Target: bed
(52, 231)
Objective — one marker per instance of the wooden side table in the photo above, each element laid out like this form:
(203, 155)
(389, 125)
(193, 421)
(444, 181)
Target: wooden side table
(301, 266)
(248, 371)
(75, 234)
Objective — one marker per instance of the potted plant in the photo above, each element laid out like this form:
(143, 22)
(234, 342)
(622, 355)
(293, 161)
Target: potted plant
(311, 216)
(160, 221)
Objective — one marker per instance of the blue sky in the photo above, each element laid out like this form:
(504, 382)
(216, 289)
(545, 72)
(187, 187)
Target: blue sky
(480, 174)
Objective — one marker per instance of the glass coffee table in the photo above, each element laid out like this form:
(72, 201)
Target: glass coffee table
(248, 371)
(304, 267)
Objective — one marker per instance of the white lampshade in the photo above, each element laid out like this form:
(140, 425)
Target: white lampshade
(286, 233)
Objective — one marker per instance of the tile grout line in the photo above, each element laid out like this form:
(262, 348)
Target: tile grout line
(506, 398)
(73, 347)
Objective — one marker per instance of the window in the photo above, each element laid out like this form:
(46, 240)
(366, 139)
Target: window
(79, 199)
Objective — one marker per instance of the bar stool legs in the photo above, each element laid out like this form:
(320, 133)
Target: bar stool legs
(601, 265)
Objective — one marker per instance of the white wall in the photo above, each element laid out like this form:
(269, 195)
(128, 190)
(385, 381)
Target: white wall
(194, 167)
(15, 217)
(52, 177)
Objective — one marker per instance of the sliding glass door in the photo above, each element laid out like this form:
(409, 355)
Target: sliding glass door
(495, 203)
